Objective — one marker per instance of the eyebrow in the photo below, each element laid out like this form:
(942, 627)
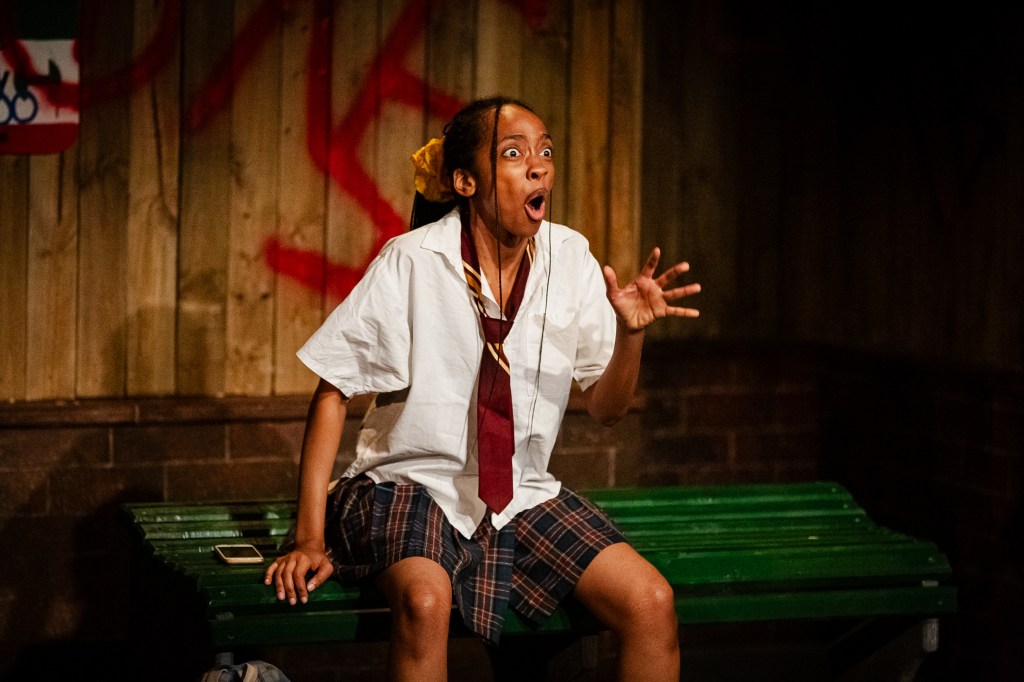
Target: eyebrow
(520, 136)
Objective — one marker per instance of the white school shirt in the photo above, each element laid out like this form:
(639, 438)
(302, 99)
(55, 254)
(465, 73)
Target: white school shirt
(410, 333)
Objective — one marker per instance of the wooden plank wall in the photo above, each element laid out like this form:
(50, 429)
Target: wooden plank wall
(829, 193)
(217, 134)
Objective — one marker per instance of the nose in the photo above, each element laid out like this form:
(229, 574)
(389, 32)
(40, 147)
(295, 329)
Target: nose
(537, 169)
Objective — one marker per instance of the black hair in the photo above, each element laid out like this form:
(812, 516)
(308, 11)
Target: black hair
(463, 136)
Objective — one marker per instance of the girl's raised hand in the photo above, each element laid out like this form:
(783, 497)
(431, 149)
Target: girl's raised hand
(645, 299)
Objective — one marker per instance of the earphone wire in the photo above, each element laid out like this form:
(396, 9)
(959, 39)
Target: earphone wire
(543, 326)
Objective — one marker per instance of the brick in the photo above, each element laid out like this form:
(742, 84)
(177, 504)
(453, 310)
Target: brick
(265, 439)
(581, 431)
(769, 373)
(40, 447)
(791, 471)
(232, 481)
(169, 443)
(777, 446)
(686, 447)
(84, 491)
(664, 408)
(24, 491)
(672, 364)
(725, 410)
(584, 467)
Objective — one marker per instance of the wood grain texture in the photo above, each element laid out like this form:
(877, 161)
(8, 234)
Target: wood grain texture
(14, 194)
(625, 132)
(546, 88)
(152, 222)
(303, 187)
(103, 211)
(499, 50)
(52, 276)
(201, 146)
(205, 191)
(253, 212)
(351, 226)
(588, 125)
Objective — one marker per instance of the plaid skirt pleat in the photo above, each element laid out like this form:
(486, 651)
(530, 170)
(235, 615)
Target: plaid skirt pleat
(532, 563)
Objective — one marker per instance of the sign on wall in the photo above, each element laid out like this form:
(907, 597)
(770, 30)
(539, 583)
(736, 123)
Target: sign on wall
(38, 76)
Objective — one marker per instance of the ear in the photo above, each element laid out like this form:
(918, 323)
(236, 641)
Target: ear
(463, 183)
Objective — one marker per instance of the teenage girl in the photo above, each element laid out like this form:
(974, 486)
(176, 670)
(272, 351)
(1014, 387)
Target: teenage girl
(470, 331)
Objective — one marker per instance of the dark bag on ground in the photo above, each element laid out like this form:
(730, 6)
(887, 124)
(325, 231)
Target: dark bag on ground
(253, 671)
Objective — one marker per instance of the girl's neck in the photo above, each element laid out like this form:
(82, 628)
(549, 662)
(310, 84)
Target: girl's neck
(491, 251)
(488, 243)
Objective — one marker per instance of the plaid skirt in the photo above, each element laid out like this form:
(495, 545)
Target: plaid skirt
(531, 564)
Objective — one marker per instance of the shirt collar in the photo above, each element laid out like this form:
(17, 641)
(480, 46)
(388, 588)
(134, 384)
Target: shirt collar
(444, 236)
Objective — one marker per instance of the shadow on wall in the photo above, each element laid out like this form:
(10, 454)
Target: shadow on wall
(69, 587)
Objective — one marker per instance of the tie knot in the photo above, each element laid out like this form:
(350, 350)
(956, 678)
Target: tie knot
(495, 330)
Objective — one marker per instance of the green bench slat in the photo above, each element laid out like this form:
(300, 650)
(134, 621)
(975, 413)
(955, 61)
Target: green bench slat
(733, 553)
(293, 627)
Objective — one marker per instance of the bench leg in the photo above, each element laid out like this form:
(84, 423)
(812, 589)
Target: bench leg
(900, 657)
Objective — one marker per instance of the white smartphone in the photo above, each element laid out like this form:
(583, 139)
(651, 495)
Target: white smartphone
(238, 554)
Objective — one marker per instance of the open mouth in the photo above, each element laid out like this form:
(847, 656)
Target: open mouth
(535, 205)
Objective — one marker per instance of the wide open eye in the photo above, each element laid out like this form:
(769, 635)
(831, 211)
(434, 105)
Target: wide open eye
(511, 153)
(547, 152)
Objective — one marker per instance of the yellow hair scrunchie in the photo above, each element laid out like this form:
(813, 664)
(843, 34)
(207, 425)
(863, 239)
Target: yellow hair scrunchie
(428, 161)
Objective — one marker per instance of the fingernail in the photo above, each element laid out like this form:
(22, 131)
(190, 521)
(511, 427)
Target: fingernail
(304, 600)
(292, 601)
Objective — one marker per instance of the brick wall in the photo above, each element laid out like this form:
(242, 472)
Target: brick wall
(937, 452)
(928, 450)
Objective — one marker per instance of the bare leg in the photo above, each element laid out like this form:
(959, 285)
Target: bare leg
(632, 599)
(419, 593)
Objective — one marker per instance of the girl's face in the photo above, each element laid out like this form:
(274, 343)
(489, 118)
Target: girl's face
(525, 173)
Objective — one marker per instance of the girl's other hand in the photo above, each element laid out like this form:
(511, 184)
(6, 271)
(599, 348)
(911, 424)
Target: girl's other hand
(288, 573)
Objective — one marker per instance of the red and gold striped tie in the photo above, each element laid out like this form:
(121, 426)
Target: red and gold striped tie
(495, 429)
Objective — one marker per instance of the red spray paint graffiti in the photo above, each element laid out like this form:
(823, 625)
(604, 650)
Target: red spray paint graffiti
(387, 80)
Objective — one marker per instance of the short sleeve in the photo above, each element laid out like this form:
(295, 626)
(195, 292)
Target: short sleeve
(363, 345)
(596, 326)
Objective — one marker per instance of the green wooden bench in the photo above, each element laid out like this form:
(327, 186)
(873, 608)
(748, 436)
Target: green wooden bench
(734, 554)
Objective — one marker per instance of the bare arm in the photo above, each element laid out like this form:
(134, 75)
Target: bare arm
(636, 306)
(324, 425)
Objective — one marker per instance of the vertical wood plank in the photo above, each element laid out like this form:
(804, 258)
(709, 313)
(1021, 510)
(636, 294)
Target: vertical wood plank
(687, 183)
(103, 206)
(400, 125)
(499, 50)
(545, 77)
(52, 276)
(302, 200)
(588, 129)
(626, 138)
(152, 230)
(450, 55)
(255, 125)
(13, 274)
(350, 227)
(205, 191)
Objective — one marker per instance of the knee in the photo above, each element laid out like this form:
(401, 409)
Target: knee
(425, 606)
(652, 609)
